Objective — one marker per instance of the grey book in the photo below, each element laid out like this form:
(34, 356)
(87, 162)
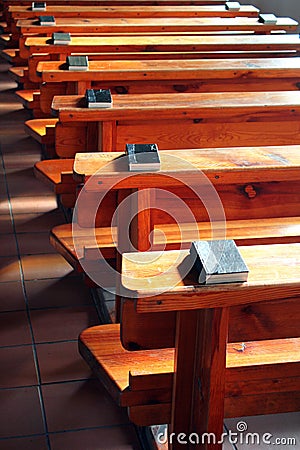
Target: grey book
(267, 18)
(143, 157)
(61, 38)
(218, 261)
(38, 6)
(98, 98)
(46, 20)
(77, 63)
(232, 6)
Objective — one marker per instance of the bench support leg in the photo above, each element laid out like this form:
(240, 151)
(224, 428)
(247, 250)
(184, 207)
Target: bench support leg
(199, 383)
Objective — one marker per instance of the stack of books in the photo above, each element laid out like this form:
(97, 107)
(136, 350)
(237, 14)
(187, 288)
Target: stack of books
(218, 261)
(98, 98)
(143, 157)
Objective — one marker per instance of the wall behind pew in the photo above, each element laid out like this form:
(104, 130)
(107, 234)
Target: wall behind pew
(284, 8)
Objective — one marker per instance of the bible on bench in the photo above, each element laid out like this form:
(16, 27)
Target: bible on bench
(46, 20)
(61, 38)
(232, 6)
(78, 63)
(267, 18)
(38, 6)
(98, 98)
(218, 262)
(143, 157)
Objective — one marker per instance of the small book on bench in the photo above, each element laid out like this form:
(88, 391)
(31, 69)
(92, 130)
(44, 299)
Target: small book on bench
(77, 63)
(143, 157)
(267, 18)
(46, 20)
(218, 261)
(61, 38)
(38, 6)
(232, 6)
(98, 98)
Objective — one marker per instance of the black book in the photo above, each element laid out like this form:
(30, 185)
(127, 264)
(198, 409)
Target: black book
(38, 6)
(233, 6)
(77, 63)
(143, 157)
(218, 261)
(267, 18)
(46, 20)
(61, 38)
(98, 98)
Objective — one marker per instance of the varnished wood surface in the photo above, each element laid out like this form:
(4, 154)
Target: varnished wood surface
(232, 69)
(169, 106)
(274, 273)
(23, 12)
(274, 42)
(163, 25)
(221, 166)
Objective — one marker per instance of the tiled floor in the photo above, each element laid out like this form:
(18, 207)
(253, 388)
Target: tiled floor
(48, 397)
(49, 400)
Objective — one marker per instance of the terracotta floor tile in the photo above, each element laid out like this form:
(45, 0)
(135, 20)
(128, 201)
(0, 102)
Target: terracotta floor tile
(112, 438)
(34, 243)
(8, 245)
(5, 224)
(19, 367)
(34, 222)
(24, 183)
(33, 204)
(30, 443)
(86, 404)
(9, 269)
(61, 362)
(14, 328)
(23, 144)
(67, 291)
(11, 296)
(20, 412)
(26, 161)
(45, 266)
(62, 324)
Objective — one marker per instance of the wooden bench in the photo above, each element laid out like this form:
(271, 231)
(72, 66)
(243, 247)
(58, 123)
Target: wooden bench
(282, 44)
(257, 187)
(17, 12)
(192, 120)
(162, 25)
(237, 379)
(215, 75)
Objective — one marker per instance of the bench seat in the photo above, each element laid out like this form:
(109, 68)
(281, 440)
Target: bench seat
(267, 371)
(42, 130)
(12, 55)
(245, 232)
(19, 74)
(29, 98)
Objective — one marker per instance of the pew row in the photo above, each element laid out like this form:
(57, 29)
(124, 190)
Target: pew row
(135, 77)
(257, 188)
(248, 370)
(192, 120)
(286, 43)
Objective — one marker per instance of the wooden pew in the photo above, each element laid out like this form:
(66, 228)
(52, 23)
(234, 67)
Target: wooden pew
(284, 44)
(257, 188)
(162, 25)
(61, 11)
(191, 120)
(169, 76)
(243, 385)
